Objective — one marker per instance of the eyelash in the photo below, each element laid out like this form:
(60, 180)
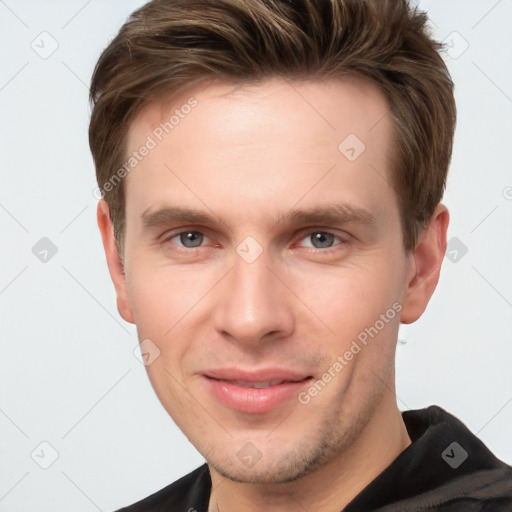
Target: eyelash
(303, 235)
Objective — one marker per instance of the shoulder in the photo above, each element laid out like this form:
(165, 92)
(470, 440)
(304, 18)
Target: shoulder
(445, 468)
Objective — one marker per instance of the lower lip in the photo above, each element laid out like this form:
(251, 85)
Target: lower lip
(254, 400)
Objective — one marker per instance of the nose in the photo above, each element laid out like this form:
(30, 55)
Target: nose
(253, 306)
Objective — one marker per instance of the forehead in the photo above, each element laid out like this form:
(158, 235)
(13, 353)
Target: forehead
(333, 105)
(256, 140)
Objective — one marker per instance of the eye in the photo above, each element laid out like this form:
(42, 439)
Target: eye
(320, 240)
(189, 239)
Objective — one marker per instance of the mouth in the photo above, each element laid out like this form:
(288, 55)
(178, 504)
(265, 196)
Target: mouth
(255, 392)
(264, 384)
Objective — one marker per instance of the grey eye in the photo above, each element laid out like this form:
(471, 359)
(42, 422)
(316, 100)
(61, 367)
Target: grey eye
(322, 240)
(191, 238)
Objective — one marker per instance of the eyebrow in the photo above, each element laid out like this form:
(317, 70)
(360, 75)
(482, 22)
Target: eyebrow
(334, 213)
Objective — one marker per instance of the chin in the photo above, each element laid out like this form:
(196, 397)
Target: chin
(274, 468)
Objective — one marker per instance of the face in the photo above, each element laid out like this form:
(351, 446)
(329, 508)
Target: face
(264, 260)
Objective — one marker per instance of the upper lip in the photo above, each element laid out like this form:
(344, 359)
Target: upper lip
(260, 375)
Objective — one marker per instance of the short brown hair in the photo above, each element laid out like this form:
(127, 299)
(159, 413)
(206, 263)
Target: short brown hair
(169, 45)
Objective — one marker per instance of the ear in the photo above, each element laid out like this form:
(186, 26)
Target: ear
(425, 265)
(114, 263)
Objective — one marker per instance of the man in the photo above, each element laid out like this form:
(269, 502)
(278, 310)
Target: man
(271, 174)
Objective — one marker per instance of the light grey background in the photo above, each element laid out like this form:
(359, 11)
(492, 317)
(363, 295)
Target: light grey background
(68, 373)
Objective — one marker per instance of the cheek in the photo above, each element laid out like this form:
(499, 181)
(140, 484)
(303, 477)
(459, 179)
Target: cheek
(170, 307)
(152, 306)
(348, 298)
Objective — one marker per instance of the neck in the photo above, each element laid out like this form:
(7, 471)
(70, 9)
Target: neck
(331, 487)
